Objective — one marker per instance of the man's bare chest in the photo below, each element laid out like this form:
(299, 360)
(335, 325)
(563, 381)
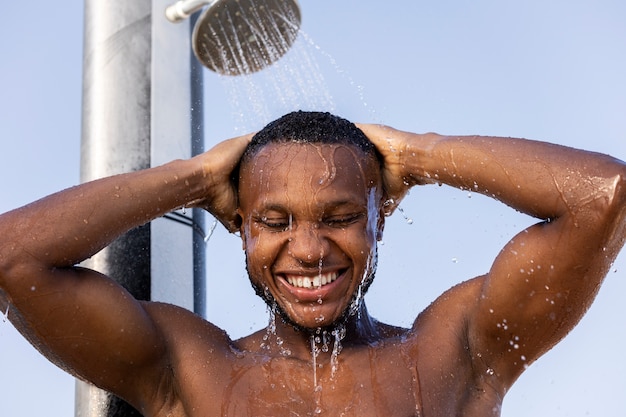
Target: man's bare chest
(392, 377)
(352, 388)
(370, 382)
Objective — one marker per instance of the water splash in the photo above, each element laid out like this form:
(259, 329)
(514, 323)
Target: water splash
(368, 274)
(339, 334)
(270, 333)
(405, 216)
(315, 351)
(321, 341)
(210, 231)
(270, 330)
(5, 315)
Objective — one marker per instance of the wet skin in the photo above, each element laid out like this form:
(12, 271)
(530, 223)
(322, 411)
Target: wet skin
(311, 217)
(312, 214)
(310, 211)
(457, 359)
(381, 370)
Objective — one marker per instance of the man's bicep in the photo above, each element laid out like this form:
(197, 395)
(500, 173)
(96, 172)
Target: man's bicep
(90, 326)
(539, 287)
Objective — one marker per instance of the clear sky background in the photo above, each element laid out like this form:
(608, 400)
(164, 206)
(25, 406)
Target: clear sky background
(548, 70)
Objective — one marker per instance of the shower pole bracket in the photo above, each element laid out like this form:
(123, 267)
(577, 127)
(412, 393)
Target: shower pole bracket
(183, 9)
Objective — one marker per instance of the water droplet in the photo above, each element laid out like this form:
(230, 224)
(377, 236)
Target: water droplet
(407, 218)
(210, 231)
(5, 316)
(314, 354)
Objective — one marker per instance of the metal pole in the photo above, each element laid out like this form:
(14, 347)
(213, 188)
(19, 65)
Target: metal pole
(196, 87)
(137, 100)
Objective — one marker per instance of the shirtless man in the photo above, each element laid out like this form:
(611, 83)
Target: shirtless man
(309, 197)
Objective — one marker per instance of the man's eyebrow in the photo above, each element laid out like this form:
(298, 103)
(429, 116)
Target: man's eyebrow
(344, 204)
(272, 207)
(340, 203)
(326, 205)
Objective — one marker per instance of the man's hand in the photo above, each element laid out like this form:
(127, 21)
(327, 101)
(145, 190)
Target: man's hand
(400, 152)
(218, 164)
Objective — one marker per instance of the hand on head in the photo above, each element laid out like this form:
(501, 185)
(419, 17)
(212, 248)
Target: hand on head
(396, 148)
(218, 165)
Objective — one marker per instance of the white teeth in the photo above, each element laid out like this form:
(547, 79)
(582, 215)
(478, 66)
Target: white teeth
(311, 282)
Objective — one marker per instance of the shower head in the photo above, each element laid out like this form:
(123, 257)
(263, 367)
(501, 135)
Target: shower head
(234, 37)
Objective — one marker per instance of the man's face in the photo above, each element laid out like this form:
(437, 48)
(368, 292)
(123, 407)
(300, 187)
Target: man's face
(311, 217)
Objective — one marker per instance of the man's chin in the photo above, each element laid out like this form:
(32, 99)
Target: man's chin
(313, 326)
(279, 312)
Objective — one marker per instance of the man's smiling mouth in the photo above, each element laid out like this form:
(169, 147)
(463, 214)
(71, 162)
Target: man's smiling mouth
(312, 281)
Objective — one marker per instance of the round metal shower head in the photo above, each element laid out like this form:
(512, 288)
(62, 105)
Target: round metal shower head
(235, 37)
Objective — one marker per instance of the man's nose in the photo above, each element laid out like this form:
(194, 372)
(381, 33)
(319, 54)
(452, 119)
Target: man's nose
(308, 244)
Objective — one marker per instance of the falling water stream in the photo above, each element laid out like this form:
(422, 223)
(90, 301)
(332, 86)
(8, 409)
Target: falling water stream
(294, 82)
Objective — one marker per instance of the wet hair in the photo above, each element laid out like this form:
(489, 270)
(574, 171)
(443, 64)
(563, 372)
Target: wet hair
(309, 127)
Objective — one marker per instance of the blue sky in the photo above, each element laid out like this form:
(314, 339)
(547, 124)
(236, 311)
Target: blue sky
(551, 71)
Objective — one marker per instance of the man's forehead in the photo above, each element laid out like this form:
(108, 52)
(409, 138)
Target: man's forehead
(329, 170)
(311, 155)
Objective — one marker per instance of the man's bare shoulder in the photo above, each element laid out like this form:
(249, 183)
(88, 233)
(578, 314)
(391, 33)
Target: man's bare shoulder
(451, 373)
(181, 328)
(198, 354)
(440, 333)
(450, 311)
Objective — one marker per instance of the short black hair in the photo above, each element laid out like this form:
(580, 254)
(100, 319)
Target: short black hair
(309, 127)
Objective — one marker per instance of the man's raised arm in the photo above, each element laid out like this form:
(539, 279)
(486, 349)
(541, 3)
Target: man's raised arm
(80, 319)
(545, 278)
